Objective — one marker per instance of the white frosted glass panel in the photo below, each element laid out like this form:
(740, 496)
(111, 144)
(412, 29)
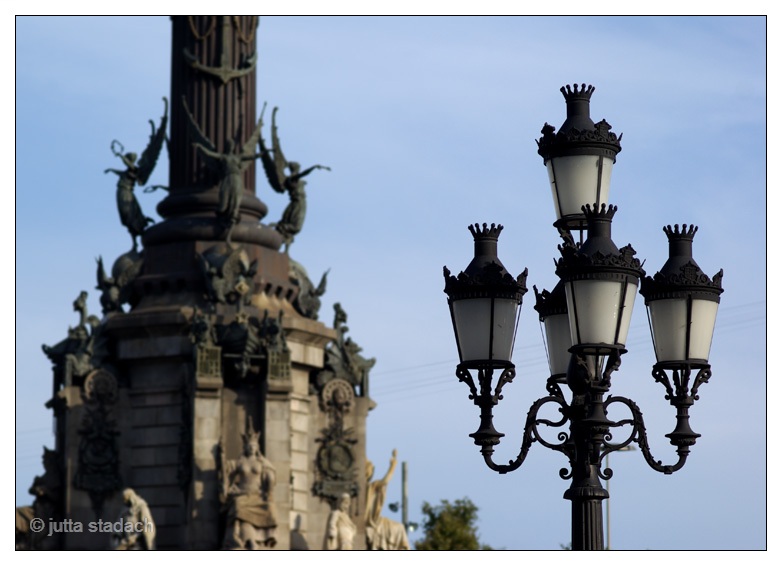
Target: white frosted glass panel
(472, 323)
(504, 328)
(704, 316)
(627, 313)
(553, 185)
(597, 309)
(576, 182)
(558, 342)
(669, 328)
(605, 185)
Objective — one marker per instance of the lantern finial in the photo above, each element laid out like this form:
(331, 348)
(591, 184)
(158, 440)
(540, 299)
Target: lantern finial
(585, 93)
(484, 232)
(686, 232)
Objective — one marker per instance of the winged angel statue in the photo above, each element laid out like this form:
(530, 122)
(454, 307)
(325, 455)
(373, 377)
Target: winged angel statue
(293, 216)
(229, 166)
(130, 213)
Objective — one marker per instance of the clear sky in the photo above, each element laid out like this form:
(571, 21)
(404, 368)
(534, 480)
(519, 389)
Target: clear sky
(428, 125)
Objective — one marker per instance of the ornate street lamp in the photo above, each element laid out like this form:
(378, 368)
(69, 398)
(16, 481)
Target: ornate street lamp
(682, 302)
(485, 303)
(586, 320)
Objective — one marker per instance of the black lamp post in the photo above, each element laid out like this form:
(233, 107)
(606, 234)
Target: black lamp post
(586, 319)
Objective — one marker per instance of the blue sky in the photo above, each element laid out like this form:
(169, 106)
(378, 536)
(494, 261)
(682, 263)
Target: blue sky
(428, 125)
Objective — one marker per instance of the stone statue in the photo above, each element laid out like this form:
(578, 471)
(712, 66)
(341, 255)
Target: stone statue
(293, 216)
(344, 359)
(229, 167)
(340, 529)
(24, 515)
(248, 483)
(137, 173)
(141, 534)
(307, 301)
(382, 533)
(77, 355)
(117, 289)
(48, 492)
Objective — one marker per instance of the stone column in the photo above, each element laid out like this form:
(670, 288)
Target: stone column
(306, 339)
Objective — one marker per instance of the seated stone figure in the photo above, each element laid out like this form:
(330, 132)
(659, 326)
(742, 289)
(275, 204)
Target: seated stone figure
(249, 512)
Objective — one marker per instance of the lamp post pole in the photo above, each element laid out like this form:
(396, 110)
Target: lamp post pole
(608, 499)
(586, 318)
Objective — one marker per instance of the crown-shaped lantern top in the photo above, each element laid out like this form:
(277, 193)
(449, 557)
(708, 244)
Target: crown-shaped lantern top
(577, 101)
(584, 93)
(681, 273)
(598, 253)
(598, 219)
(485, 231)
(680, 241)
(686, 232)
(485, 242)
(600, 213)
(485, 273)
(578, 135)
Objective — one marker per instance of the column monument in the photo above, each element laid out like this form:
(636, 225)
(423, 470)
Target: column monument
(208, 386)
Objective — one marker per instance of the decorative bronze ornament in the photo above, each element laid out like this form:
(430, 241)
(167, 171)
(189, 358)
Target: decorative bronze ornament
(292, 220)
(245, 38)
(130, 213)
(207, 33)
(225, 72)
(227, 169)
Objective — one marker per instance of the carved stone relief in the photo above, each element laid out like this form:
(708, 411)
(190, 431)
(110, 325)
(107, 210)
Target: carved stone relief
(228, 275)
(336, 458)
(98, 464)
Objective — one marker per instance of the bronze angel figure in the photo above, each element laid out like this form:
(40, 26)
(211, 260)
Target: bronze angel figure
(293, 216)
(229, 167)
(130, 213)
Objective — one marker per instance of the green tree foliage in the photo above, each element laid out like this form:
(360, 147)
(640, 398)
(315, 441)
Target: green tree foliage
(450, 526)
